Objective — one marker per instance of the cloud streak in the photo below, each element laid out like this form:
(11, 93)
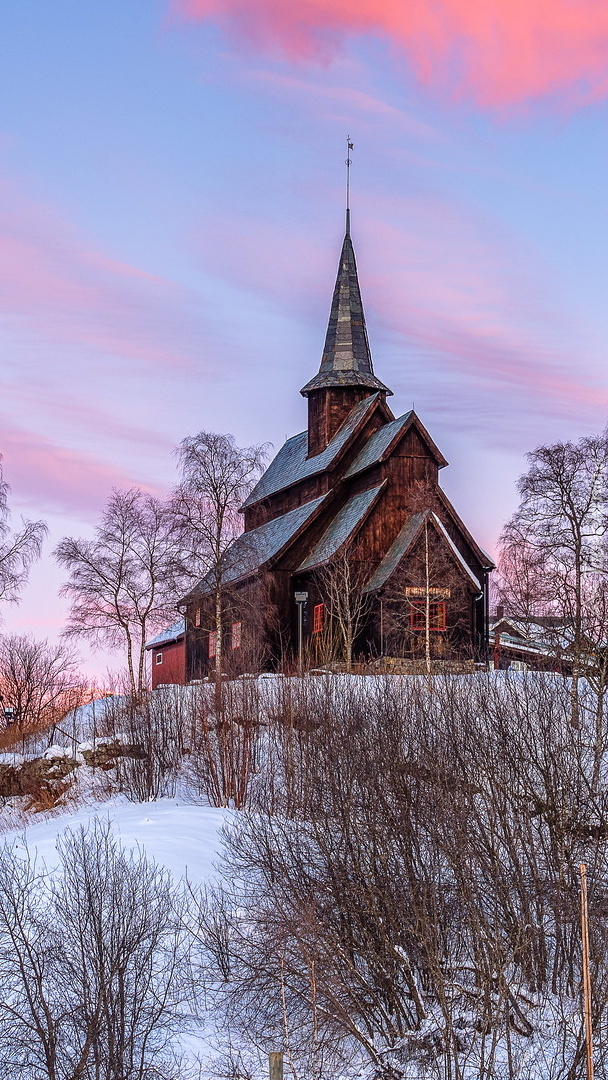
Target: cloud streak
(57, 287)
(499, 53)
(50, 476)
(464, 314)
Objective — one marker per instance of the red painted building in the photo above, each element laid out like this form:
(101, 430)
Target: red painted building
(168, 656)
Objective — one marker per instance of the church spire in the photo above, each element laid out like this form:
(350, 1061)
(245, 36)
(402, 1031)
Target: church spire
(347, 359)
(346, 375)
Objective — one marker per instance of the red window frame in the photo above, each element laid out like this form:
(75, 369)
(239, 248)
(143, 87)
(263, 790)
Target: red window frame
(235, 636)
(437, 615)
(318, 618)
(212, 644)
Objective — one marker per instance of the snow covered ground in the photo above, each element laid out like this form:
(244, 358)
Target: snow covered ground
(183, 837)
(182, 833)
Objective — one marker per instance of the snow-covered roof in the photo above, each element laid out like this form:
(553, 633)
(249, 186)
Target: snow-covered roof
(172, 633)
(291, 463)
(542, 633)
(341, 528)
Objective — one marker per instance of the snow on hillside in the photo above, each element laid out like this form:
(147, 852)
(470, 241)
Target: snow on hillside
(183, 834)
(183, 837)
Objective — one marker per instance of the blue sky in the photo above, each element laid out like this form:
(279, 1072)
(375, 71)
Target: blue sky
(172, 187)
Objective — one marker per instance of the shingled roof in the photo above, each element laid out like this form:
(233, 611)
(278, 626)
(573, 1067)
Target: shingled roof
(252, 550)
(405, 541)
(291, 464)
(382, 441)
(346, 521)
(347, 360)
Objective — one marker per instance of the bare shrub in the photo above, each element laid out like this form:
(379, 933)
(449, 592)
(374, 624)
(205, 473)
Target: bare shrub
(93, 964)
(405, 890)
(225, 744)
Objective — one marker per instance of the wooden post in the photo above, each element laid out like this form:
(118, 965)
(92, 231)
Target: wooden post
(275, 1065)
(586, 977)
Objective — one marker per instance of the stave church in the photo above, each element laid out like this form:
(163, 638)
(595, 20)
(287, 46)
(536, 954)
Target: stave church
(351, 551)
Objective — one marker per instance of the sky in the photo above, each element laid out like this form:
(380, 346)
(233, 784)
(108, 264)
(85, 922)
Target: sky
(172, 211)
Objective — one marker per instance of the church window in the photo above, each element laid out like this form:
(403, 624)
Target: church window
(212, 649)
(437, 615)
(236, 635)
(159, 658)
(318, 613)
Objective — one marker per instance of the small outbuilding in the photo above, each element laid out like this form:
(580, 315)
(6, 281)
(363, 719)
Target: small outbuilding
(168, 655)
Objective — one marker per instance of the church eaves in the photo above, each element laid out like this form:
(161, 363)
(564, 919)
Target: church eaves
(347, 359)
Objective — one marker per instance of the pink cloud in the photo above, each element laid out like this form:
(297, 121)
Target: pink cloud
(47, 476)
(57, 286)
(454, 288)
(477, 323)
(498, 52)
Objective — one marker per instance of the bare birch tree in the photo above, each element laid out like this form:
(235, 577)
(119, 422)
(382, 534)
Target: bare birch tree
(124, 582)
(216, 477)
(560, 531)
(18, 550)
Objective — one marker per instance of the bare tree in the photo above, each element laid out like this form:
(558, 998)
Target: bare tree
(18, 550)
(342, 583)
(559, 534)
(217, 476)
(124, 582)
(93, 964)
(39, 681)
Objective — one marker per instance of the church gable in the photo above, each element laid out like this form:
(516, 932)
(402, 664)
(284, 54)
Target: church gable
(424, 549)
(403, 437)
(292, 478)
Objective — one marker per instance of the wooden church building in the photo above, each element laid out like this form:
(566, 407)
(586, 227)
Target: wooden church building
(348, 522)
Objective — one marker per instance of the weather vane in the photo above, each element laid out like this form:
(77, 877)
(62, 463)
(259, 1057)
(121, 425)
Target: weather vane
(349, 146)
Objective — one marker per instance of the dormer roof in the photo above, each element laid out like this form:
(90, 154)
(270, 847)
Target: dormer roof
(404, 543)
(383, 441)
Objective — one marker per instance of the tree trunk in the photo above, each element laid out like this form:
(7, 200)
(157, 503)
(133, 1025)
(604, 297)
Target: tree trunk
(427, 606)
(130, 663)
(218, 651)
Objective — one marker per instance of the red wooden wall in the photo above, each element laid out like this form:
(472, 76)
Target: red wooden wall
(173, 666)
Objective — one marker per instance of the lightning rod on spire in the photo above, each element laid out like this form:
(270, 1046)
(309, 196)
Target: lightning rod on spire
(349, 146)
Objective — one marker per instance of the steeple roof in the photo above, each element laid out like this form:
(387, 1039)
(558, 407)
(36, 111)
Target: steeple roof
(347, 359)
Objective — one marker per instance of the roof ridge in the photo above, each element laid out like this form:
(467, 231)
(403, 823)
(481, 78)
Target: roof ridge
(282, 474)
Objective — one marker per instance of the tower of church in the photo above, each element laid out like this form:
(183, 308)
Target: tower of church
(346, 375)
